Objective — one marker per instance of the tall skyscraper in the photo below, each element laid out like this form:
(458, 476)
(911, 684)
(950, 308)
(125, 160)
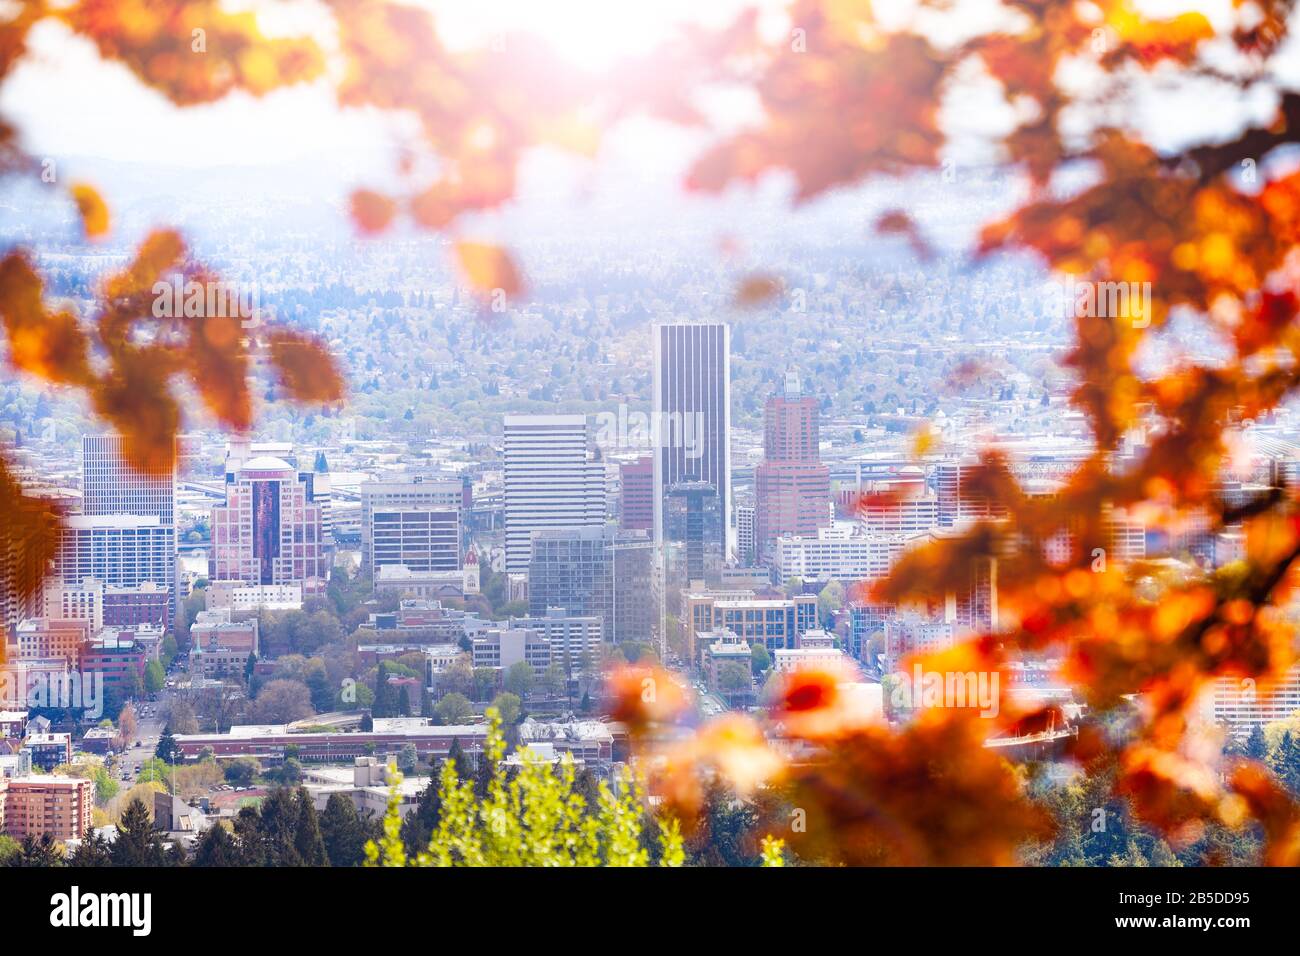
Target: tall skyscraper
(598, 571)
(268, 531)
(692, 415)
(550, 481)
(637, 507)
(792, 486)
(111, 488)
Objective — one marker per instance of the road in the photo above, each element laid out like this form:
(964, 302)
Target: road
(148, 733)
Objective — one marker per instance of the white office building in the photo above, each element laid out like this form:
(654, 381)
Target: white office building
(550, 481)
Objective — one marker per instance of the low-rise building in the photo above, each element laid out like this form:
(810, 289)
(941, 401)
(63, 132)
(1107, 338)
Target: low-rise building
(246, 596)
(49, 750)
(502, 648)
(728, 667)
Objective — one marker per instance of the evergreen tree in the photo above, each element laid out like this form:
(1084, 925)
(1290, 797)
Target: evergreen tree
(1288, 768)
(1277, 757)
(168, 751)
(418, 827)
(137, 843)
(251, 842)
(385, 704)
(279, 827)
(1132, 856)
(403, 703)
(307, 839)
(343, 832)
(1256, 746)
(464, 769)
(40, 852)
(94, 850)
(175, 854)
(216, 848)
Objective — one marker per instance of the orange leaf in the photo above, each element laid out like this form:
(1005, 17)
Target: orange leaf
(488, 268)
(372, 212)
(93, 209)
(306, 369)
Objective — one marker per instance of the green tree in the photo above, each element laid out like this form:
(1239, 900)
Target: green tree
(418, 826)
(531, 818)
(519, 679)
(154, 677)
(408, 759)
(93, 850)
(168, 751)
(385, 700)
(8, 847)
(216, 848)
(242, 771)
(35, 852)
(509, 706)
(1256, 745)
(343, 832)
(829, 601)
(278, 827)
(453, 709)
(307, 841)
(137, 843)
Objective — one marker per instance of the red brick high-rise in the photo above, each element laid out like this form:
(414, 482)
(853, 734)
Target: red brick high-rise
(792, 486)
(637, 512)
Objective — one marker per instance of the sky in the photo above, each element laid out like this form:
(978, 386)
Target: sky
(69, 103)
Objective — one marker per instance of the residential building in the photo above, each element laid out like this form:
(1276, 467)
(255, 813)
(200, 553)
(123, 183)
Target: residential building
(38, 804)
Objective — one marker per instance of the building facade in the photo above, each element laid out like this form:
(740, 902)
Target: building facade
(550, 481)
(268, 531)
(792, 486)
(692, 412)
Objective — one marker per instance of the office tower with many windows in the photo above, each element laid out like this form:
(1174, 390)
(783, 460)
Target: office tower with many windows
(111, 486)
(118, 550)
(598, 572)
(268, 531)
(792, 486)
(692, 415)
(692, 533)
(637, 507)
(418, 539)
(550, 481)
(407, 494)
